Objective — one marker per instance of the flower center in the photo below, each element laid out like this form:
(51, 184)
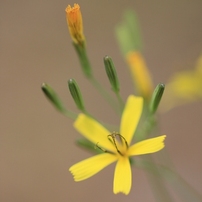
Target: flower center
(119, 143)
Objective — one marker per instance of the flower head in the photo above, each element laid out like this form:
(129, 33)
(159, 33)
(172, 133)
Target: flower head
(184, 87)
(116, 146)
(75, 24)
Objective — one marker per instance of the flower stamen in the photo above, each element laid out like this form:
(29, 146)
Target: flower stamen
(102, 149)
(113, 138)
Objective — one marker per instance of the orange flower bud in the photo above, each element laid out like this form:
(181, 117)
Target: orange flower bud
(75, 24)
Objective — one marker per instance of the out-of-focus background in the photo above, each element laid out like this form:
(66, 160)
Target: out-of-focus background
(37, 143)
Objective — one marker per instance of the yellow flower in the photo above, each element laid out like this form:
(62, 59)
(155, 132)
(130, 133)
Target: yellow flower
(116, 146)
(75, 24)
(140, 73)
(184, 87)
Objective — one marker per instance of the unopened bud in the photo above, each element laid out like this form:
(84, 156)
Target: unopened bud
(52, 96)
(75, 24)
(156, 98)
(76, 94)
(111, 73)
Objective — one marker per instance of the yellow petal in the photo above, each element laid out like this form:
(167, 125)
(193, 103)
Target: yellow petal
(122, 176)
(147, 146)
(130, 117)
(93, 131)
(91, 166)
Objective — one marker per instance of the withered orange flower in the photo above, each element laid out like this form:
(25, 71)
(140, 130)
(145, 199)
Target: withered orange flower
(75, 24)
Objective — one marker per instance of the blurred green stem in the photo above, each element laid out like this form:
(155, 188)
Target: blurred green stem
(178, 184)
(120, 100)
(160, 172)
(157, 184)
(70, 114)
(87, 70)
(104, 93)
(146, 129)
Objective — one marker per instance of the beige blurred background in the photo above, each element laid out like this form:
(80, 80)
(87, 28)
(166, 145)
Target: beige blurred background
(36, 142)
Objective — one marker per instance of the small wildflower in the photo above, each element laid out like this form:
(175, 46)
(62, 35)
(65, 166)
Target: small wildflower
(183, 87)
(75, 24)
(116, 146)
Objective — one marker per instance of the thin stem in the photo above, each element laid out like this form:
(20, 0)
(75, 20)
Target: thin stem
(158, 185)
(187, 192)
(104, 93)
(70, 114)
(86, 67)
(146, 128)
(120, 100)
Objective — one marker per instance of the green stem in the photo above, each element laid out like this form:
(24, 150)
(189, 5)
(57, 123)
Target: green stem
(157, 184)
(83, 58)
(70, 114)
(86, 67)
(188, 193)
(120, 100)
(179, 185)
(146, 128)
(104, 93)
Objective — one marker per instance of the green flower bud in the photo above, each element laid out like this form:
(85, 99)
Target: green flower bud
(76, 94)
(111, 73)
(52, 96)
(156, 98)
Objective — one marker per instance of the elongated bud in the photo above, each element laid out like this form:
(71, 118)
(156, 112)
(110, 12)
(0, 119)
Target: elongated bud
(75, 24)
(140, 73)
(156, 98)
(52, 96)
(111, 73)
(76, 94)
